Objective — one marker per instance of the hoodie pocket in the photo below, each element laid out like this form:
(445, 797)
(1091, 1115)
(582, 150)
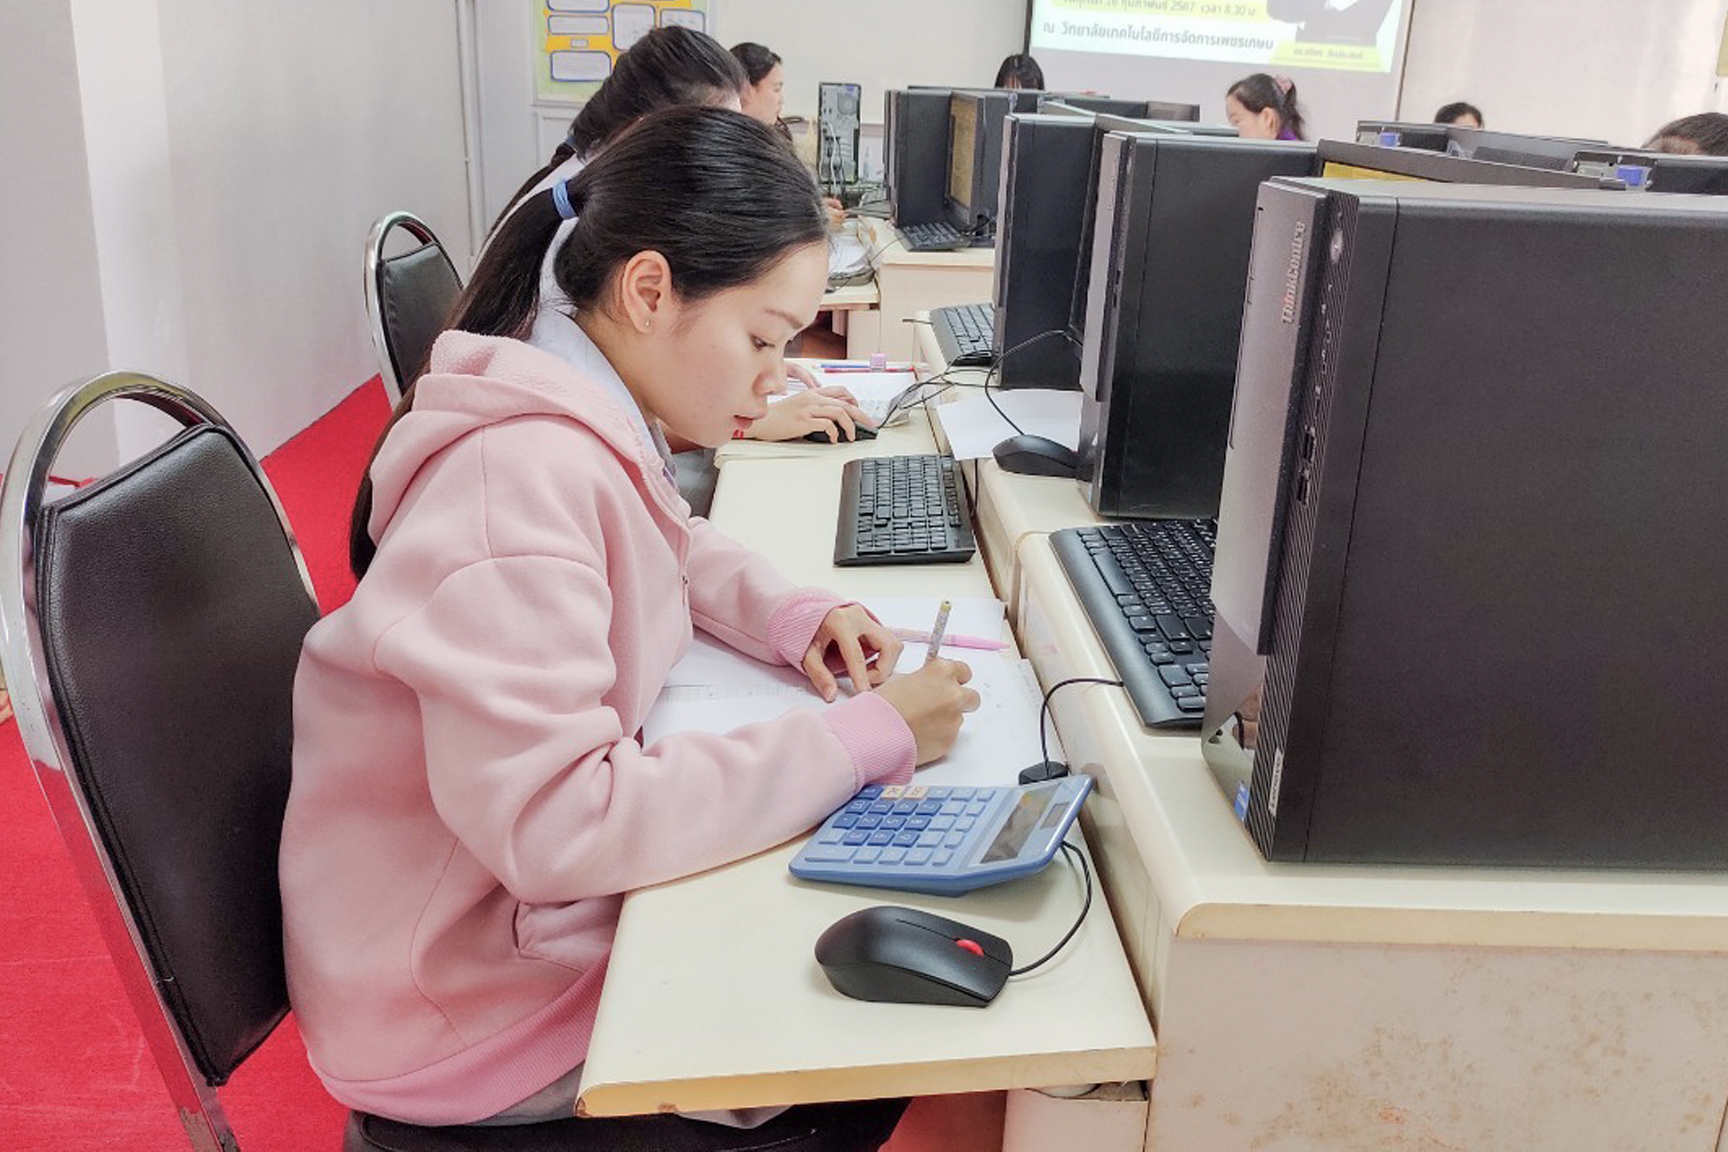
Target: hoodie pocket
(575, 936)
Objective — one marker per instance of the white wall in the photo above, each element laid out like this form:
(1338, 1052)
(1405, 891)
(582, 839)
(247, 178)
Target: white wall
(1601, 69)
(190, 184)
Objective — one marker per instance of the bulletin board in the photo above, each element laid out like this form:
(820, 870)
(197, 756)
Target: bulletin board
(578, 41)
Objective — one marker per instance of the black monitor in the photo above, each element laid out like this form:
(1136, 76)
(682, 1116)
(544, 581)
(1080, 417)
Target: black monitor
(1169, 260)
(1019, 99)
(1657, 171)
(1106, 106)
(915, 154)
(1402, 134)
(975, 123)
(1474, 465)
(1348, 160)
(1554, 152)
(838, 123)
(1038, 242)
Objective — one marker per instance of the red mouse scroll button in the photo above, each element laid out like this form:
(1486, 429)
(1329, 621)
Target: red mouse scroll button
(970, 946)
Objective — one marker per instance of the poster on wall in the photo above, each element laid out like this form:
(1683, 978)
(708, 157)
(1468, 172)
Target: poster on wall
(1343, 35)
(578, 41)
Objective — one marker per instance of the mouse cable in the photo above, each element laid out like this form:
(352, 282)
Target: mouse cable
(1086, 871)
(996, 367)
(1044, 711)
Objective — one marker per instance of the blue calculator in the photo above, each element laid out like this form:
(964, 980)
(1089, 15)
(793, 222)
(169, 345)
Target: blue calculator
(942, 840)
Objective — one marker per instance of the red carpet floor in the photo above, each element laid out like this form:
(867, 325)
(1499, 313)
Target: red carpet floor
(74, 1071)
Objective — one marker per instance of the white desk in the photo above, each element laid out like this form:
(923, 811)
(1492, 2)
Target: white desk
(1313, 1008)
(856, 316)
(913, 282)
(713, 998)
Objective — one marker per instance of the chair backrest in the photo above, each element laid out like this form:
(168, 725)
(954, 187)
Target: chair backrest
(409, 296)
(150, 626)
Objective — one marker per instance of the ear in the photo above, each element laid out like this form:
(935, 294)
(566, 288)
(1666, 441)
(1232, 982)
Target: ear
(1269, 120)
(645, 292)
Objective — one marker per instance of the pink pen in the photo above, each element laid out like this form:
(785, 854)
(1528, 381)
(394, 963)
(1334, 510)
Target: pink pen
(951, 640)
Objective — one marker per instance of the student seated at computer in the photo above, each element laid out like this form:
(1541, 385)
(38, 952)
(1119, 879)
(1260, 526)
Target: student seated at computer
(1461, 113)
(1263, 107)
(765, 99)
(1019, 71)
(471, 798)
(1705, 134)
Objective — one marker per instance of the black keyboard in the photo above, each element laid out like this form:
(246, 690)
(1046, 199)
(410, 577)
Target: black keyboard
(966, 333)
(1146, 586)
(938, 237)
(901, 510)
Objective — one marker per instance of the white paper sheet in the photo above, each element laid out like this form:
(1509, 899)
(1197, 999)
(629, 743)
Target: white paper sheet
(974, 428)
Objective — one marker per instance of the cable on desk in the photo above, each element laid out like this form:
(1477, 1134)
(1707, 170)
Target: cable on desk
(1044, 709)
(1086, 871)
(996, 365)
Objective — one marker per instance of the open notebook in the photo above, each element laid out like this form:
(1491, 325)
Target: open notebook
(716, 689)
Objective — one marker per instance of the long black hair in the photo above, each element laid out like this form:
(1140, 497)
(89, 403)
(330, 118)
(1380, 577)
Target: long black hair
(1449, 113)
(1262, 91)
(716, 193)
(666, 68)
(756, 60)
(1019, 71)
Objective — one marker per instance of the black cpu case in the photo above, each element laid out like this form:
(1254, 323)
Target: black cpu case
(1470, 565)
(915, 154)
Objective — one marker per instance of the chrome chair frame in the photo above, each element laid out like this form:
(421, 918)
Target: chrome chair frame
(394, 385)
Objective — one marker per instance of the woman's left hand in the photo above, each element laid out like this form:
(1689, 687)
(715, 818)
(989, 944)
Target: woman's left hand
(851, 634)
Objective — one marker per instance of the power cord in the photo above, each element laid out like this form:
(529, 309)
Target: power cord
(1086, 871)
(996, 367)
(1046, 768)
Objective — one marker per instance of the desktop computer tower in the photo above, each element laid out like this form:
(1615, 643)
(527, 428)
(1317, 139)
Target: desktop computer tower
(975, 124)
(1470, 568)
(1038, 247)
(1174, 216)
(915, 154)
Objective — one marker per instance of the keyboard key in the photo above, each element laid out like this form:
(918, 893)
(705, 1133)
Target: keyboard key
(961, 793)
(918, 856)
(880, 839)
(942, 858)
(892, 856)
(939, 793)
(905, 839)
(828, 854)
(830, 835)
(856, 838)
(953, 808)
(964, 824)
(976, 808)
(893, 792)
(1174, 675)
(929, 839)
(869, 821)
(905, 808)
(917, 792)
(917, 823)
(869, 791)
(942, 823)
(866, 855)
(845, 820)
(929, 808)
(1192, 704)
(857, 806)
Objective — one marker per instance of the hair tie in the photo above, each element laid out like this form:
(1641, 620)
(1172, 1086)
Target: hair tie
(561, 200)
(570, 139)
(1284, 84)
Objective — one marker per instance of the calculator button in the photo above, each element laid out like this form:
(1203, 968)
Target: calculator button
(892, 856)
(870, 792)
(961, 793)
(929, 808)
(857, 806)
(830, 835)
(954, 840)
(929, 839)
(917, 792)
(939, 793)
(941, 858)
(828, 854)
(866, 855)
(881, 807)
(917, 823)
(905, 808)
(953, 808)
(869, 821)
(893, 821)
(942, 823)
(856, 838)
(918, 856)
(845, 820)
(964, 824)
(878, 839)
(905, 839)
(893, 792)
(976, 808)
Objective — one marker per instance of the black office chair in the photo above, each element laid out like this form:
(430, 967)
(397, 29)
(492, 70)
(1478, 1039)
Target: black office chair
(409, 296)
(150, 625)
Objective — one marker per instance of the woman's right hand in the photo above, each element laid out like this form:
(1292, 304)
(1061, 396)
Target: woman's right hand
(932, 701)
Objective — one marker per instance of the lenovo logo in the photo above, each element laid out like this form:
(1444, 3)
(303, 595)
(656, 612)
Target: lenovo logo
(1293, 274)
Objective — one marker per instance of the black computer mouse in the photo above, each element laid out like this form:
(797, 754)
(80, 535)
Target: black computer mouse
(1036, 456)
(862, 433)
(912, 957)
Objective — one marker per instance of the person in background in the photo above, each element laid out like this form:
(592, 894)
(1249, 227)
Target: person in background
(1462, 114)
(765, 99)
(1263, 107)
(1019, 71)
(1705, 134)
(471, 794)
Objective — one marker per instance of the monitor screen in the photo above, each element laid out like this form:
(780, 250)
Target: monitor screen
(962, 147)
(1337, 171)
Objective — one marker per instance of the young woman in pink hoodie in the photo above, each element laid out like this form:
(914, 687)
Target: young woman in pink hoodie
(471, 796)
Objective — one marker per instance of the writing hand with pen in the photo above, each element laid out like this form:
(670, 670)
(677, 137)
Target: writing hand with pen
(933, 700)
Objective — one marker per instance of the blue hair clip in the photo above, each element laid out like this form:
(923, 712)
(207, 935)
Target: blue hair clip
(561, 198)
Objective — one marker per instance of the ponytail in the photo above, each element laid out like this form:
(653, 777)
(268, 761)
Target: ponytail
(1262, 91)
(716, 193)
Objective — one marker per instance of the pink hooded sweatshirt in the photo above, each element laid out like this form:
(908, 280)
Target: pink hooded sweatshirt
(470, 797)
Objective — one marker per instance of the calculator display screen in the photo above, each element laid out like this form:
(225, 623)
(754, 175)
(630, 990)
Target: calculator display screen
(1020, 824)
